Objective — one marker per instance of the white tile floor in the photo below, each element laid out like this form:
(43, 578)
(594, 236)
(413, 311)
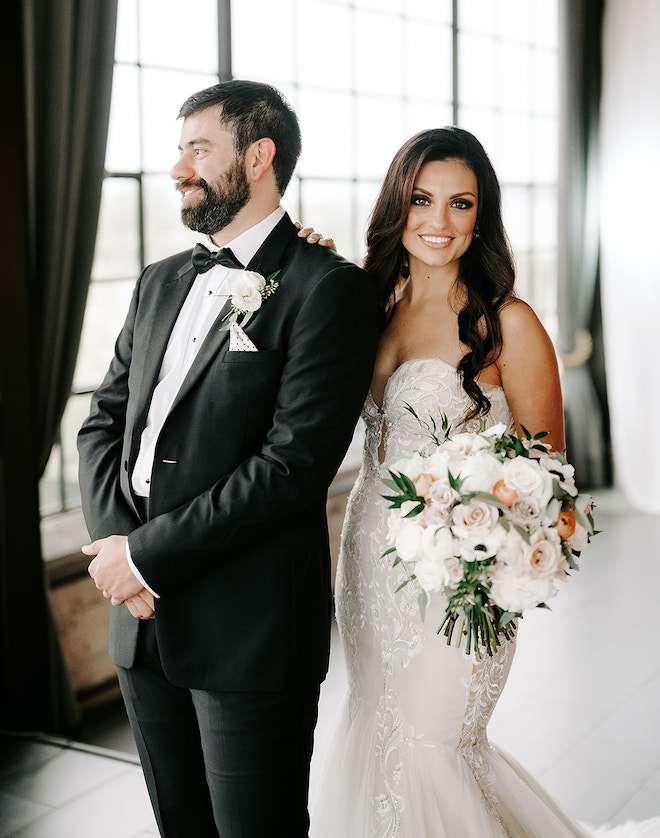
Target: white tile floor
(581, 709)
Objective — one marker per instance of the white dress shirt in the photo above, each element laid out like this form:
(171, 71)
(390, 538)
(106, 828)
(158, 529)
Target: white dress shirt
(198, 313)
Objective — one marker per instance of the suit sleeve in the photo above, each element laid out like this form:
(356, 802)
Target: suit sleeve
(326, 375)
(100, 441)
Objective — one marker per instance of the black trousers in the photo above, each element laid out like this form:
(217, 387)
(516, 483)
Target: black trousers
(234, 765)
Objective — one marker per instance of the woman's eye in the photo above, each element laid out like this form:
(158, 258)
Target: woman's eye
(419, 201)
(460, 204)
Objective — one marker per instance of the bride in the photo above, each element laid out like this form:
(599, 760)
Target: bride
(411, 757)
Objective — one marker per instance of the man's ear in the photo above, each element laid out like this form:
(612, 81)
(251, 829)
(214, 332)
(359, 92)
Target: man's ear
(259, 158)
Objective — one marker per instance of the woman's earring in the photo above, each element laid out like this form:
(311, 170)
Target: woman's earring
(475, 232)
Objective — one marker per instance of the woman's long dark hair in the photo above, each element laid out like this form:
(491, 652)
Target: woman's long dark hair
(486, 270)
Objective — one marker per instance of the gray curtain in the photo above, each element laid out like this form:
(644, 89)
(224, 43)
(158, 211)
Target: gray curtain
(57, 62)
(69, 46)
(580, 27)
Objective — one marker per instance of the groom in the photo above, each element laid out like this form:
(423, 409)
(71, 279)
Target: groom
(204, 465)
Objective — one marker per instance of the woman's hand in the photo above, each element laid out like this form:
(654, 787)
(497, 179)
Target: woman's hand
(314, 238)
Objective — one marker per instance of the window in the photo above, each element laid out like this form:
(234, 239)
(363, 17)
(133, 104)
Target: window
(363, 76)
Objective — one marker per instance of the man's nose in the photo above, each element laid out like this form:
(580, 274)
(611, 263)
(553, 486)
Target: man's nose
(181, 170)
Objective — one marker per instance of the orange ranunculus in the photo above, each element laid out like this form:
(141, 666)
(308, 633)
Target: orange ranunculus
(566, 523)
(503, 493)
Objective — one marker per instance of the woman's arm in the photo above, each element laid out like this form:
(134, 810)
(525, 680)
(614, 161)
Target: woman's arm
(530, 375)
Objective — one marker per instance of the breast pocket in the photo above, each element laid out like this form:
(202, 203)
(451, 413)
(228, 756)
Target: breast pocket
(269, 357)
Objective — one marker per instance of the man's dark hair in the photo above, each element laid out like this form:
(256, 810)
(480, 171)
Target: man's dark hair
(251, 111)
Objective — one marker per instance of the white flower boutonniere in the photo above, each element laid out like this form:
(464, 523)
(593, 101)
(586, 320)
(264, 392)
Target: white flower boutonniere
(247, 291)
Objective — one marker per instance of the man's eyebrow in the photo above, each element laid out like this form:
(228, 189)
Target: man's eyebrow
(196, 141)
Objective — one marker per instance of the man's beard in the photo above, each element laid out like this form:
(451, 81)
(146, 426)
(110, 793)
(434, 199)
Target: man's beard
(224, 199)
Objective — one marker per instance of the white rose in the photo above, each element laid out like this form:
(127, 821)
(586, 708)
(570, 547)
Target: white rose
(515, 592)
(245, 290)
(441, 498)
(500, 429)
(431, 574)
(526, 511)
(412, 467)
(408, 542)
(437, 464)
(454, 571)
(437, 543)
(397, 519)
(528, 478)
(474, 519)
(481, 472)
(543, 557)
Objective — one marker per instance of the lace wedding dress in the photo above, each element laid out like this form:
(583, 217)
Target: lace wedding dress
(411, 757)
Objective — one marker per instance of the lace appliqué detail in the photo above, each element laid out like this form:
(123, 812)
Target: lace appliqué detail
(488, 679)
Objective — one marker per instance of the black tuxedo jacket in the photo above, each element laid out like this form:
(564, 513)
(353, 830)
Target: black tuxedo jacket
(236, 543)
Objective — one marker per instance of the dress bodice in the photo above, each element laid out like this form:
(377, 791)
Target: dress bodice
(433, 388)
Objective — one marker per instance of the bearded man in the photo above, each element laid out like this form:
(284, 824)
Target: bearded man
(227, 409)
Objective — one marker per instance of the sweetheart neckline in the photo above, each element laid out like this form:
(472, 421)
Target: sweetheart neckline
(416, 360)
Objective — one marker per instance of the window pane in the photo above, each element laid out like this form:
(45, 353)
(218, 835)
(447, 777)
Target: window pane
(515, 24)
(163, 93)
(517, 214)
(422, 115)
(380, 42)
(546, 93)
(515, 77)
(379, 133)
(326, 122)
(164, 24)
(164, 232)
(545, 218)
(546, 21)
(122, 152)
(328, 206)
(75, 414)
(324, 40)
(393, 6)
(429, 61)
(515, 149)
(477, 71)
(477, 15)
(117, 250)
(256, 54)
(107, 304)
(546, 150)
(438, 10)
(126, 39)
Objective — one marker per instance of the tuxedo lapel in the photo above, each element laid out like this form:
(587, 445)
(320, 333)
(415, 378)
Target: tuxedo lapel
(169, 303)
(266, 261)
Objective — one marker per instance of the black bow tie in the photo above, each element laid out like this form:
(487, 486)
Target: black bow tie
(203, 260)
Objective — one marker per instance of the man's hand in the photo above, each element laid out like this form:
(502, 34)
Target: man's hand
(110, 569)
(141, 605)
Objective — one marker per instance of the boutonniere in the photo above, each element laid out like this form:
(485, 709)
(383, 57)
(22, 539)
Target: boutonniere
(247, 291)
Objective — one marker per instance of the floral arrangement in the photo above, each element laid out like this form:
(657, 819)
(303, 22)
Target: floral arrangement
(247, 291)
(492, 521)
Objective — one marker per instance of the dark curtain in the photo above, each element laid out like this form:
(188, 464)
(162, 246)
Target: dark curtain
(69, 46)
(580, 332)
(57, 61)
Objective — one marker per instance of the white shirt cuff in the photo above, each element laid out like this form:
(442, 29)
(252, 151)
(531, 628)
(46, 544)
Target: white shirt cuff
(137, 573)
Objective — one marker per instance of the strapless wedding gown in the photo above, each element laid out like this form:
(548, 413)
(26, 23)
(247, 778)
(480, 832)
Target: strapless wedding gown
(411, 757)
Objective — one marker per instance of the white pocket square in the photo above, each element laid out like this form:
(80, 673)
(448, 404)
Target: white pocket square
(239, 341)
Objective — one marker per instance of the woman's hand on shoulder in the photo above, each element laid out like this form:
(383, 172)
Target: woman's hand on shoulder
(530, 374)
(314, 238)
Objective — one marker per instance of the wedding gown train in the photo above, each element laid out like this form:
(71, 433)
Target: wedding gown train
(410, 757)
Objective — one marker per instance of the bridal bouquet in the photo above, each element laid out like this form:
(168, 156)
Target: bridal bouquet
(492, 521)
